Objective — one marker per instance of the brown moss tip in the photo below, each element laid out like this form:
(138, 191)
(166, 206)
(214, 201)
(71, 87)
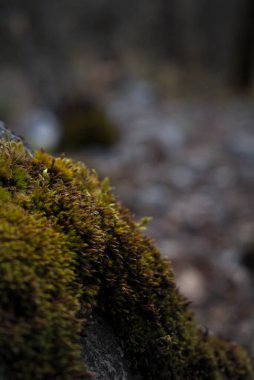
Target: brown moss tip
(67, 245)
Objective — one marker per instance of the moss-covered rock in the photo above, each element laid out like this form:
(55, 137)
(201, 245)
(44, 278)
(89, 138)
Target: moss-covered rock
(85, 123)
(68, 247)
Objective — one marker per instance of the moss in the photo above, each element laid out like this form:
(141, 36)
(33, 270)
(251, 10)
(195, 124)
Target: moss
(231, 359)
(67, 245)
(85, 124)
(38, 298)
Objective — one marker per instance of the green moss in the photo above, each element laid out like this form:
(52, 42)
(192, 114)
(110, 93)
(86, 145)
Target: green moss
(39, 302)
(231, 359)
(67, 244)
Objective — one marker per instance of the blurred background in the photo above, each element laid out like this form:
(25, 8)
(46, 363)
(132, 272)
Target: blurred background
(158, 96)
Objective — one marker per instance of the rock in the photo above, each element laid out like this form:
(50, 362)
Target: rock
(191, 283)
(6, 133)
(41, 129)
(102, 352)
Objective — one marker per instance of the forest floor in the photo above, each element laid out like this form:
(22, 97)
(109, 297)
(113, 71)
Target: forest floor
(189, 164)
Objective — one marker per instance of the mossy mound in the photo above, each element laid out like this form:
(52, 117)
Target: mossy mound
(67, 247)
(85, 124)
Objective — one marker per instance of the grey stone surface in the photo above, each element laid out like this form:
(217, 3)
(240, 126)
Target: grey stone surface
(102, 352)
(6, 133)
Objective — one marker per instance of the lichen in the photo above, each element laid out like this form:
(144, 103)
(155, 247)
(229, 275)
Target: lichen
(69, 247)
